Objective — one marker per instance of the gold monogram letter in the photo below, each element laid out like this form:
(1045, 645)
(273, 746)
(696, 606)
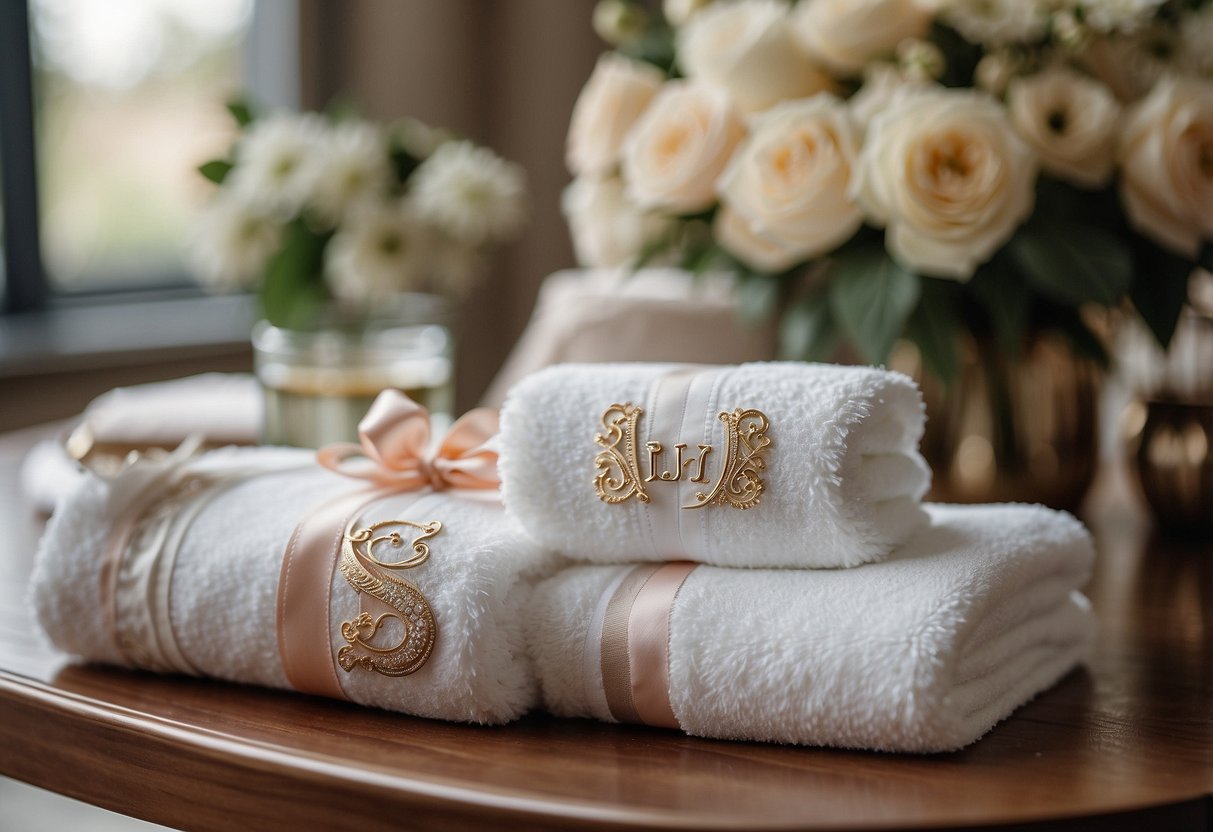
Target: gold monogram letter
(618, 476)
(366, 573)
(740, 484)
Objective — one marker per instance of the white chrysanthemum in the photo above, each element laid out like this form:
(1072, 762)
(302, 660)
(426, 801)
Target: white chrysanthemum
(470, 193)
(232, 243)
(353, 168)
(379, 251)
(998, 22)
(1118, 15)
(275, 161)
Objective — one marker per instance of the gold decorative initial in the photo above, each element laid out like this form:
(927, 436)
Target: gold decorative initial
(618, 476)
(740, 484)
(410, 609)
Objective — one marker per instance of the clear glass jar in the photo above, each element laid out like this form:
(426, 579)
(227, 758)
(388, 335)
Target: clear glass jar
(319, 383)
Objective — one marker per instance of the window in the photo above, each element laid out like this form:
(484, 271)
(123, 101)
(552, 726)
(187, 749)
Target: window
(127, 100)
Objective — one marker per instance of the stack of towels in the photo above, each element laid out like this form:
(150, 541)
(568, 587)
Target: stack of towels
(745, 556)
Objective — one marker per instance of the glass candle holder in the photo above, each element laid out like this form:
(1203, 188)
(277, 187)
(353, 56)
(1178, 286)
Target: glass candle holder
(319, 383)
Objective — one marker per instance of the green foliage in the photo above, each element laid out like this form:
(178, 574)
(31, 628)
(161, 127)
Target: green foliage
(1073, 263)
(242, 111)
(1006, 300)
(872, 297)
(760, 296)
(932, 327)
(216, 170)
(807, 331)
(293, 289)
(1160, 287)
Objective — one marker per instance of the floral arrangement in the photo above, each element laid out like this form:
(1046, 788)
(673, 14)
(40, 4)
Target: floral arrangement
(877, 169)
(313, 209)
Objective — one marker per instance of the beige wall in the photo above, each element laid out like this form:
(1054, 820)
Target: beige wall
(504, 72)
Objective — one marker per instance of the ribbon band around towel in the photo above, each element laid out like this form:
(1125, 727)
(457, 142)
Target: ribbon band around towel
(634, 648)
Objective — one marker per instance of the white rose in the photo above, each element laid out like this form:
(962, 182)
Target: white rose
(844, 35)
(678, 12)
(948, 176)
(1166, 156)
(747, 48)
(675, 152)
(1070, 120)
(617, 93)
(607, 228)
(738, 237)
(883, 84)
(788, 182)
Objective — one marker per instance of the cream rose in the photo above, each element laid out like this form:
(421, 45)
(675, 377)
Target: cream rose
(617, 93)
(788, 182)
(607, 228)
(747, 48)
(739, 238)
(1070, 120)
(1166, 157)
(948, 176)
(844, 35)
(882, 85)
(675, 152)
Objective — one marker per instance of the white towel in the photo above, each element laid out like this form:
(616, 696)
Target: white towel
(842, 478)
(924, 652)
(224, 584)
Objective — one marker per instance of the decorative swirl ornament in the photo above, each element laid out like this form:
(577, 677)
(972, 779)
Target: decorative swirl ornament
(740, 484)
(618, 478)
(376, 578)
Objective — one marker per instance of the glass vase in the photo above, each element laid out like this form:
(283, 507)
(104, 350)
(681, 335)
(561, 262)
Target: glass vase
(319, 382)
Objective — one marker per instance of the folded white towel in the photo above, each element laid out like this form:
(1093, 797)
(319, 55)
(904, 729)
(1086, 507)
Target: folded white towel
(225, 583)
(924, 652)
(841, 479)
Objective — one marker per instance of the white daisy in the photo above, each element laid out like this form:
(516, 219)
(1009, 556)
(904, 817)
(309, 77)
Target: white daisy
(353, 168)
(379, 251)
(275, 161)
(470, 193)
(233, 241)
(998, 22)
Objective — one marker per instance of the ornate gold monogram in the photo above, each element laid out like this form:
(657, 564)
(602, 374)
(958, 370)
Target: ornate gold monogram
(618, 476)
(366, 573)
(740, 484)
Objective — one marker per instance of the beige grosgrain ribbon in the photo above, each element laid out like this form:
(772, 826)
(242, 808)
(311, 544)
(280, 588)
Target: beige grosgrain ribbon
(394, 437)
(635, 653)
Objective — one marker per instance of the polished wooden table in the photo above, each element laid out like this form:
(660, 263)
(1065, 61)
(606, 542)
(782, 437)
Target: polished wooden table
(1124, 744)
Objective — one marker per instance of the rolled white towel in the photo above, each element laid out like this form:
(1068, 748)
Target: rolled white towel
(841, 477)
(924, 652)
(208, 559)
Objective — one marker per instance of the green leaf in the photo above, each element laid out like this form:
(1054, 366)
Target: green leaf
(1086, 343)
(241, 111)
(1073, 263)
(932, 327)
(293, 289)
(1160, 287)
(872, 296)
(807, 331)
(758, 297)
(1005, 297)
(216, 170)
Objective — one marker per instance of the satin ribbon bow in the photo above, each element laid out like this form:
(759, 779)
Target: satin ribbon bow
(395, 437)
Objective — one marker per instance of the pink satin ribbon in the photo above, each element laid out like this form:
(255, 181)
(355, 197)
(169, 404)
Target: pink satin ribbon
(395, 436)
(635, 654)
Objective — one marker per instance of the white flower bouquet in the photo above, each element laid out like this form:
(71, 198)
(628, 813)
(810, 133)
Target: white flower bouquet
(877, 169)
(313, 210)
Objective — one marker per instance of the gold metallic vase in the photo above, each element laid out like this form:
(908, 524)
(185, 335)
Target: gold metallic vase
(1170, 444)
(1020, 429)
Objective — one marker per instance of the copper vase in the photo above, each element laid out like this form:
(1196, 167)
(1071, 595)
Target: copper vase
(1171, 445)
(1011, 429)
